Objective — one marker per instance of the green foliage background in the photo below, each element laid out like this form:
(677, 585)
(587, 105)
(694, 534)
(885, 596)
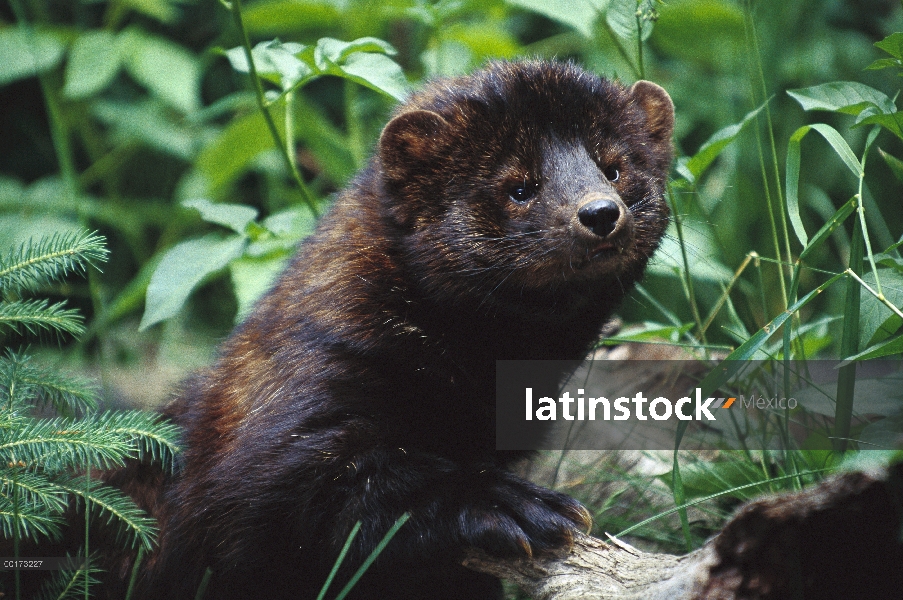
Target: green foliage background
(138, 119)
(117, 113)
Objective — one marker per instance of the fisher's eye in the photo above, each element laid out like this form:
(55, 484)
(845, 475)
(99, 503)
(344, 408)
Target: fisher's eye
(521, 192)
(611, 173)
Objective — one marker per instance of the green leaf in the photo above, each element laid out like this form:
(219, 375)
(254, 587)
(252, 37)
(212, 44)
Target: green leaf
(253, 277)
(93, 63)
(888, 347)
(169, 71)
(295, 223)
(275, 61)
(228, 155)
(579, 14)
(147, 434)
(181, 269)
(149, 121)
(27, 53)
(889, 260)
(842, 149)
(886, 433)
(234, 216)
(332, 51)
(829, 227)
(892, 44)
(894, 163)
(54, 445)
(746, 351)
(715, 145)
(871, 396)
(849, 97)
(893, 122)
(884, 63)
(621, 17)
(877, 321)
(376, 71)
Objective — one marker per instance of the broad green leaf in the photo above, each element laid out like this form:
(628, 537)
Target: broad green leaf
(849, 97)
(182, 268)
(253, 277)
(889, 260)
(148, 121)
(895, 164)
(27, 53)
(297, 222)
(579, 14)
(275, 61)
(650, 331)
(793, 170)
(888, 347)
(872, 396)
(704, 258)
(893, 122)
(884, 434)
(621, 17)
(449, 58)
(884, 63)
(93, 63)
(696, 165)
(892, 44)
(234, 216)
(169, 71)
(331, 50)
(378, 72)
(704, 478)
(877, 322)
(228, 155)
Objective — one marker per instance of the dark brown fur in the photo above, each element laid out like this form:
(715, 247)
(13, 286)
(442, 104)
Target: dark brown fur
(362, 386)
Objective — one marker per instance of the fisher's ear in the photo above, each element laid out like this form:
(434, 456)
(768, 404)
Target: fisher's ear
(657, 105)
(659, 109)
(413, 140)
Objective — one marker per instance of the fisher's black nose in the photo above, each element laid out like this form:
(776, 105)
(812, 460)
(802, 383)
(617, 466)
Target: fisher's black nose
(600, 216)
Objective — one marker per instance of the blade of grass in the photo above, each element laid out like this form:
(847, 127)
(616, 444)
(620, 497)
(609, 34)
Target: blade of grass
(376, 552)
(339, 560)
(684, 506)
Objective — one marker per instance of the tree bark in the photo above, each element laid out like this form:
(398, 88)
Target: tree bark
(840, 539)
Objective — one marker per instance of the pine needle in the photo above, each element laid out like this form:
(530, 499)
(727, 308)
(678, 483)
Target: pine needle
(38, 263)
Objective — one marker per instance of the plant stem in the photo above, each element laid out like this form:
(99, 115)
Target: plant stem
(235, 9)
(639, 40)
(87, 527)
(686, 279)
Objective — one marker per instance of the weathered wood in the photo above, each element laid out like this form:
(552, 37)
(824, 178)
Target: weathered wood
(840, 539)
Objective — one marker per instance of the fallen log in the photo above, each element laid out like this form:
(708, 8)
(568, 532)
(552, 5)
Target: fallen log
(840, 539)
